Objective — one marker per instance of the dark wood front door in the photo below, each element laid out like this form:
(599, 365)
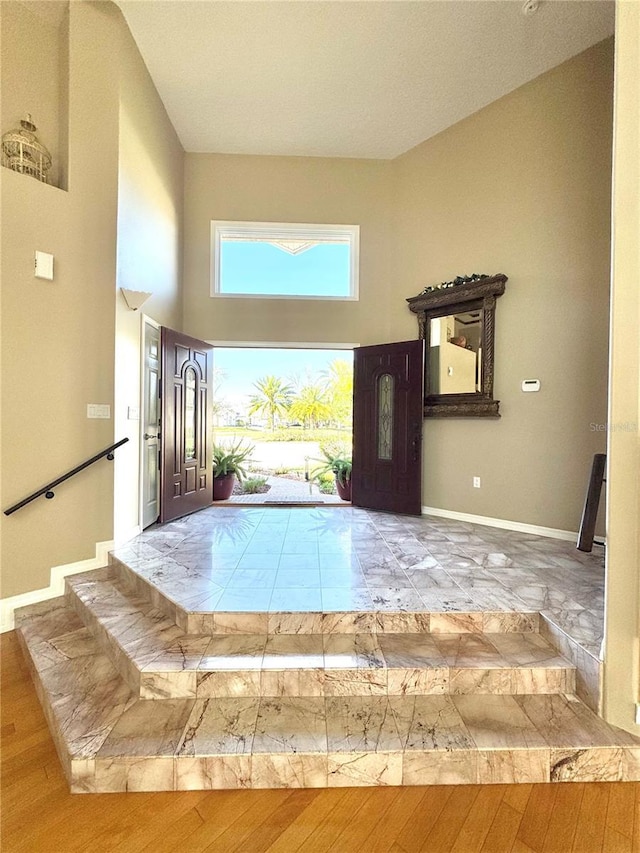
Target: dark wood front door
(387, 427)
(186, 469)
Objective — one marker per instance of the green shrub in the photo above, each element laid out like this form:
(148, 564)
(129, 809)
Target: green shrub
(253, 485)
(337, 458)
(231, 458)
(326, 483)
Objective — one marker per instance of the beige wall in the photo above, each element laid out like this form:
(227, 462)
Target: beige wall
(521, 187)
(149, 245)
(118, 225)
(35, 73)
(58, 337)
(622, 635)
(288, 189)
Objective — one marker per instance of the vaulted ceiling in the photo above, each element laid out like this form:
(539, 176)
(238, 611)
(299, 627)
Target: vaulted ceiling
(361, 78)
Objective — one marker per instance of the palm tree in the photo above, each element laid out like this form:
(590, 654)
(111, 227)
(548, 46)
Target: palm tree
(338, 379)
(273, 398)
(311, 406)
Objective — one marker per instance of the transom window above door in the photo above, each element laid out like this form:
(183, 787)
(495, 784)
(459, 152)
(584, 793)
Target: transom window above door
(281, 260)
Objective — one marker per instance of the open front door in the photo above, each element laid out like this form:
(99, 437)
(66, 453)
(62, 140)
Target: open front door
(186, 458)
(387, 427)
(150, 453)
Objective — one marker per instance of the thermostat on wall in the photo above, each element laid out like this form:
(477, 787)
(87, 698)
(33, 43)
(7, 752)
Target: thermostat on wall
(530, 384)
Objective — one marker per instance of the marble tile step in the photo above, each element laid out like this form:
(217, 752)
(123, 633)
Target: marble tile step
(110, 740)
(192, 601)
(159, 661)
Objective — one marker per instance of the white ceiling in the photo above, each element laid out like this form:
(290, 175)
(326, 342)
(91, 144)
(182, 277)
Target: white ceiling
(354, 78)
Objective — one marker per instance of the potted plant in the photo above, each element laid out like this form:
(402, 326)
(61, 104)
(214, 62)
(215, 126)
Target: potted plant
(339, 462)
(227, 465)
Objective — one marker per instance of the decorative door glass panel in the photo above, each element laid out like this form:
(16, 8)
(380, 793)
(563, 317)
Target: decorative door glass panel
(385, 416)
(190, 413)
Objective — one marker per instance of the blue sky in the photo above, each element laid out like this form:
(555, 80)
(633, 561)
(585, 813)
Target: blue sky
(255, 267)
(242, 366)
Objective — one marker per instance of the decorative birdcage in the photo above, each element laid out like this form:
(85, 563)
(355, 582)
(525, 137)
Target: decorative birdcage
(22, 152)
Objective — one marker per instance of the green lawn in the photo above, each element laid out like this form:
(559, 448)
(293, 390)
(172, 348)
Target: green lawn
(227, 434)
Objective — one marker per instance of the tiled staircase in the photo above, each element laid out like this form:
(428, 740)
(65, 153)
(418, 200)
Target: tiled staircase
(136, 701)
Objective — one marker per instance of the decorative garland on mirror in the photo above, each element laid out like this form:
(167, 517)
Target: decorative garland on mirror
(459, 279)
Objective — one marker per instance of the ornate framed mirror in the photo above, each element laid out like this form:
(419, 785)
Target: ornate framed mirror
(457, 322)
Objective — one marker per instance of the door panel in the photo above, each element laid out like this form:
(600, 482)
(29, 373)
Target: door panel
(387, 427)
(186, 472)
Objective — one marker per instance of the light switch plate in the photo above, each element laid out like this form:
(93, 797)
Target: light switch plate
(133, 413)
(98, 410)
(43, 267)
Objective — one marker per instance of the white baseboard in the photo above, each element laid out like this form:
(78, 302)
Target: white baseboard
(520, 527)
(56, 586)
(123, 538)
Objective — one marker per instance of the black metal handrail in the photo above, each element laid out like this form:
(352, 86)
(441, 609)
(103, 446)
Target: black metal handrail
(47, 490)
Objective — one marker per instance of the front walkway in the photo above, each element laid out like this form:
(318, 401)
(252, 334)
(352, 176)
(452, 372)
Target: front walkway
(284, 491)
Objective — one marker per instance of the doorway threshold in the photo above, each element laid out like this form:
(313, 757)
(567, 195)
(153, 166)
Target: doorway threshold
(262, 500)
(306, 503)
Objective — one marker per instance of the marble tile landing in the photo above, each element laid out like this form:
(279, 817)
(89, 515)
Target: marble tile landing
(111, 740)
(280, 647)
(239, 560)
(271, 570)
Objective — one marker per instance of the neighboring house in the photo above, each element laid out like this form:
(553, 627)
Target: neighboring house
(521, 187)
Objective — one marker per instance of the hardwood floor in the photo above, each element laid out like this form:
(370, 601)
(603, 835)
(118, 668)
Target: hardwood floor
(39, 814)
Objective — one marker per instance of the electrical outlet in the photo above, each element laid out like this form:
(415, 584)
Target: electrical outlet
(476, 482)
